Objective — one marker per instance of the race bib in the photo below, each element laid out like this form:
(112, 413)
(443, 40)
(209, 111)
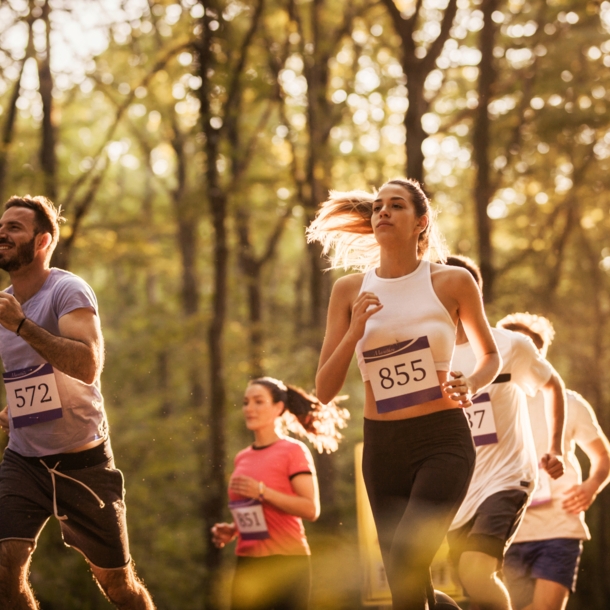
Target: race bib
(32, 395)
(402, 374)
(481, 419)
(249, 519)
(542, 493)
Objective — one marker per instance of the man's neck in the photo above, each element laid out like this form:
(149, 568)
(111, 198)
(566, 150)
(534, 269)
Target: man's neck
(28, 280)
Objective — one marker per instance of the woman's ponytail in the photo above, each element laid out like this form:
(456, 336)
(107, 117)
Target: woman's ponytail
(305, 416)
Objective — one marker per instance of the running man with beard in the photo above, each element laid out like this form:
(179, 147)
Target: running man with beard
(59, 459)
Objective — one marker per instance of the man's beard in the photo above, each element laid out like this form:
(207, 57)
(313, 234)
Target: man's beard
(23, 256)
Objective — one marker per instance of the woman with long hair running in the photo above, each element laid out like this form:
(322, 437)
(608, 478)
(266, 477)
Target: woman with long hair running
(272, 489)
(400, 317)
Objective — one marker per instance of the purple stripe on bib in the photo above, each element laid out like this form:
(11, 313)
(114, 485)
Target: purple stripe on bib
(36, 418)
(255, 535)
(485, 439)
(481, 398)
(404, 347)
(29, 373)
(408, 400)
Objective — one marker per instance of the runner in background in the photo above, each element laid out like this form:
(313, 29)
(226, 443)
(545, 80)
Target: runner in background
(506, 465)
(400, 318)
(272, 489)
(542, 563)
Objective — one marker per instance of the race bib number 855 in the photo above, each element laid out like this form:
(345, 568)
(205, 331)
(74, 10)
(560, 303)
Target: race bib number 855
(402, 374)
(32, 395)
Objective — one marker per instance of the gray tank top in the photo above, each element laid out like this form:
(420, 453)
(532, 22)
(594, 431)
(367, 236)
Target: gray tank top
(83, 417)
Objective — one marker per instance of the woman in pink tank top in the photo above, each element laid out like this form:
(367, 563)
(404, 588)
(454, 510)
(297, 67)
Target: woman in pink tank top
(272, 489)
(418, 450)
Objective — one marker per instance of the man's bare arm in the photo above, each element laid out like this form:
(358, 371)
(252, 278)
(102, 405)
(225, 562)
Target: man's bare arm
(78, 351)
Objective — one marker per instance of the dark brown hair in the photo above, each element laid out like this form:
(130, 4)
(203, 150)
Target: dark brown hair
(455, 260)
(305, 415)
(421, 203)
(47, 215)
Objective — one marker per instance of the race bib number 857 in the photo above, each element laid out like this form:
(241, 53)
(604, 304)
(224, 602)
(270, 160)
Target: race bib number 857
(402, 374)
(481, 419)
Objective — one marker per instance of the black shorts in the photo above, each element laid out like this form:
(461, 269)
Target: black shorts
(274, 582)
(492, 528)
(92, 518)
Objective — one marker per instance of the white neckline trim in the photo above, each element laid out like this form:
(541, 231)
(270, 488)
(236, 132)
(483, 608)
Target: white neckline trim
(417, 269)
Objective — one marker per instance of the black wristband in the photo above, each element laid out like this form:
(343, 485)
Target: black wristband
(20, 325)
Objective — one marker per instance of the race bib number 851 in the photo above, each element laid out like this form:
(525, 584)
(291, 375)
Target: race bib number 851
(402, 374)
(32, 395)
(249, 519)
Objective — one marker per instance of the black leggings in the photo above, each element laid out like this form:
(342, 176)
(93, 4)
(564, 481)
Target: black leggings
(275, 582)
(416, 472)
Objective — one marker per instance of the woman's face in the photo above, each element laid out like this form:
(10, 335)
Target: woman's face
(394, 215)
(259, 409)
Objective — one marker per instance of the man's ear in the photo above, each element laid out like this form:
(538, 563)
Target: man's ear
(43, 241)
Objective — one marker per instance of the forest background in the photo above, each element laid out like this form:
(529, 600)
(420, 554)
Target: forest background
(190, 143)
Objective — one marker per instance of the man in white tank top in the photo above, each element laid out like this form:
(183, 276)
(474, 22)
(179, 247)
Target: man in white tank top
(506, 463)
(542, 563)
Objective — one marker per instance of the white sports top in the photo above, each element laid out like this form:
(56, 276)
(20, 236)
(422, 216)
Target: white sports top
(506, 454)
(411, 310)
(549, 519)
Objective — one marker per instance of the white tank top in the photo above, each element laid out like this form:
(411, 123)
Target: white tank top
(411, 311)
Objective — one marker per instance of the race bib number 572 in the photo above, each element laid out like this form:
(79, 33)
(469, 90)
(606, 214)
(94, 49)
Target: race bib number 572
(402, 374)
(32, 395)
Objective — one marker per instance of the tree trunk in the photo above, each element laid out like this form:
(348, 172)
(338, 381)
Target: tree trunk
(48, 155)
(483, 189)
(416, 70)
(213, 451)
(415, 132)
(8, 129)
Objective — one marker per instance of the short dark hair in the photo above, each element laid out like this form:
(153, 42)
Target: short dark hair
(455, 260)
(47, 215)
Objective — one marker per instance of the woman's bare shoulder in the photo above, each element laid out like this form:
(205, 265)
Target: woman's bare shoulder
(449, 274)
(348, 286)
(451, 282)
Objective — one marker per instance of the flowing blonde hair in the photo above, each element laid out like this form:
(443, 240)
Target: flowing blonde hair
(343, 226)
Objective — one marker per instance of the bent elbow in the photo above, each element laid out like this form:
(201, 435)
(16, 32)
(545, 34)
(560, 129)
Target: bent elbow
(314, 515)
(323, 397)
(322, 393)
(89, 375)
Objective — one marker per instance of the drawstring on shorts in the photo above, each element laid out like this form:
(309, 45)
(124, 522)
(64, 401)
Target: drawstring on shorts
(53, 472)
